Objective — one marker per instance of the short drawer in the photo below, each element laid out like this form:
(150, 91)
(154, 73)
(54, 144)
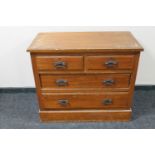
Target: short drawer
(85, 101)
(59, 63)
(113, 62)
(85, 81)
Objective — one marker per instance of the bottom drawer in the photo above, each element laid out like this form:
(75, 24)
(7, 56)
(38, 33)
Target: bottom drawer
(85, 101)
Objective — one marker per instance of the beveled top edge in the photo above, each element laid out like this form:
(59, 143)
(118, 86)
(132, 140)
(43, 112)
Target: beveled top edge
(84, 42)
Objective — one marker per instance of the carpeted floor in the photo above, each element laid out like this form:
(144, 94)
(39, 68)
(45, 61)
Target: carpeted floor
(19, 111)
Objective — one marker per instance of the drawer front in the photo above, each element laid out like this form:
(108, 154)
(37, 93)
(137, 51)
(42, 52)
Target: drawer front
(59, 63)
(109, 62)
(85, 101)
(85, 81)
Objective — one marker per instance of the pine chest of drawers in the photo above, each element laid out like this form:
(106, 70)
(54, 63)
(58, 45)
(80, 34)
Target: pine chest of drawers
(85, 76)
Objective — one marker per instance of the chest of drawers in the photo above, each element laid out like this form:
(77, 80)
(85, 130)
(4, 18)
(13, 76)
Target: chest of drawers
(85, 76)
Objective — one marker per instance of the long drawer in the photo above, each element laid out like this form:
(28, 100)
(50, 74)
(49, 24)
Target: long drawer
(85, 100)
(85, 81)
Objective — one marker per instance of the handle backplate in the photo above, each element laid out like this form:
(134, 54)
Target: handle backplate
(110, 63)
(60, 65)
(61, 82)
(107, 101)
(63, 102)
(108, 82)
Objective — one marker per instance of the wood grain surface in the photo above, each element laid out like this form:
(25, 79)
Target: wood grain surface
(47, 63)
(86, 76)
(86, 101)
(85, 115)
(84, 41)
(99, 62)
(85, 81)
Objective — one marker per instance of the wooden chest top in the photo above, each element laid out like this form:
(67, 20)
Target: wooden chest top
(84, 41)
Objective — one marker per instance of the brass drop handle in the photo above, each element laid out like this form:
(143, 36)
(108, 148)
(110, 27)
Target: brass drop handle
(107, 101)
(108, 82)
(60, 65)
(63, 102)
(110, 63)
(61, 82)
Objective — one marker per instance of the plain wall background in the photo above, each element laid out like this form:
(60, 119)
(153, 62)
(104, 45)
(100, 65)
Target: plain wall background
(15, 64)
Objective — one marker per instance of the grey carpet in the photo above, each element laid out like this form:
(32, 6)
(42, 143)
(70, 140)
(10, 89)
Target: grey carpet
(19, 111)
